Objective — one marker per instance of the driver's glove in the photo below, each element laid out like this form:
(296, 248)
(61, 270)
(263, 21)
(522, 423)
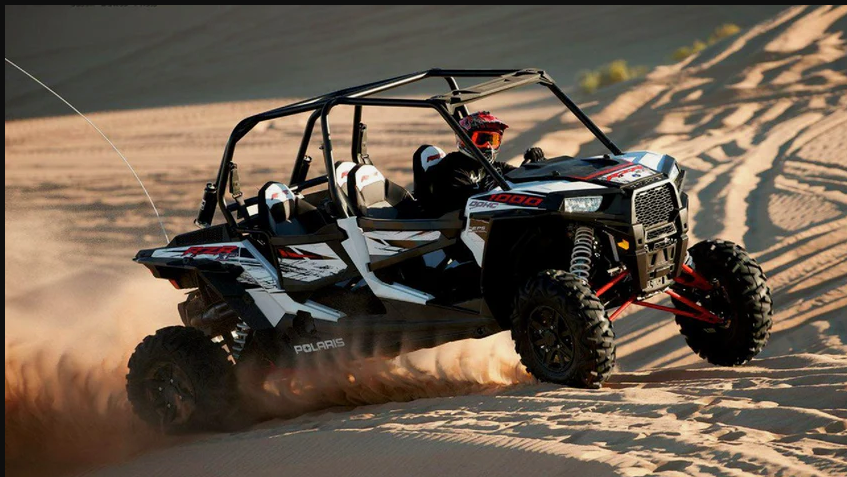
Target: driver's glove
(533, 154)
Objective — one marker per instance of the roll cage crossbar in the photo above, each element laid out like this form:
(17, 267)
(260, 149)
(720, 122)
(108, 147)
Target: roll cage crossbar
(451, 106)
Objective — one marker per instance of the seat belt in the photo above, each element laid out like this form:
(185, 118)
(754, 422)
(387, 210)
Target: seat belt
(235, 191)
(363, 158)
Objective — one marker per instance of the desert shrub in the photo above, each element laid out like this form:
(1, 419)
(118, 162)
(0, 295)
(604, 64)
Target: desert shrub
(619, 70)
(615, 72)
(724, 31)
(681, 53)
(589, 81)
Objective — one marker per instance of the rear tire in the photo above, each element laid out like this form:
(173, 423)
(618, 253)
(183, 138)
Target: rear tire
(561, 331)
(180, 381)
(741, 295)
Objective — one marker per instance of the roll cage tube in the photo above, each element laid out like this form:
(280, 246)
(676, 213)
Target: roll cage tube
(584, 119)
(438, 106)
(296, 173)
(451, 107)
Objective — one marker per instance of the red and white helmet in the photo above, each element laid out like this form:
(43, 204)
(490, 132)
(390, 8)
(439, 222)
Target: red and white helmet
(485, 130)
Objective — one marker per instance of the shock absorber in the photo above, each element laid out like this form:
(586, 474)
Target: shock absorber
(241, 332)
(583, 249)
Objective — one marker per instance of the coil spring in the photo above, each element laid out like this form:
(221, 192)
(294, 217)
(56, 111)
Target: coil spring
(241, 331)
(583, 249)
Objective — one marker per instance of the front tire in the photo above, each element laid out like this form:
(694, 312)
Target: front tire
(561, 331)
(180, 381)
(740, 295)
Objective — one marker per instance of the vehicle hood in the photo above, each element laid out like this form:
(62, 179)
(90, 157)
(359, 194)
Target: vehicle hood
(608, 170)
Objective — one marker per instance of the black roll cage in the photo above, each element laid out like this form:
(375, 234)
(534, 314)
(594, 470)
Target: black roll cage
(451, 107)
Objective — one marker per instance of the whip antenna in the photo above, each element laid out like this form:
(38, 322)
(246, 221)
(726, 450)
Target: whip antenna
(162, 225)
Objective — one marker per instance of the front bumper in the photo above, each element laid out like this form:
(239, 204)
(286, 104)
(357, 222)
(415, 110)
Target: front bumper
(659, 217)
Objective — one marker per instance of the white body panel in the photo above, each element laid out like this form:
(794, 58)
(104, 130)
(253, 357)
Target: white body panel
(357, 248)
(276, 304)
(654, 160)
(270, 298)
(257, 270)
(546, 187)
(475, 242)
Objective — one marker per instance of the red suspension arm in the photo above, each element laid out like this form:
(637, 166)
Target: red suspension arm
(691, 278)
(620, 276)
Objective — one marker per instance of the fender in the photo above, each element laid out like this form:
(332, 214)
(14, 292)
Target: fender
(218, 276)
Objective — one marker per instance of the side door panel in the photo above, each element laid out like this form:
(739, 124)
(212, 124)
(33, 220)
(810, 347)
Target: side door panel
(391, 242)
(309, 262)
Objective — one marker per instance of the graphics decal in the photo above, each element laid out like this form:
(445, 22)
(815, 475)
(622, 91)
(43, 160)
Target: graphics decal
(216, 251)
(390, 242)
(319, 346)
(628, 174)
(479, 228)
(239, 253)
(307, 263)
(219, 252)
(502, 201)
(658, 162)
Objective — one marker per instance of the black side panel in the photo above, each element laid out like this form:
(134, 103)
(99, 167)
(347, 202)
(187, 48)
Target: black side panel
(235, 295)
(406, 327)
(450, 224)
(215, 234)
(517, 248)
(352, 298)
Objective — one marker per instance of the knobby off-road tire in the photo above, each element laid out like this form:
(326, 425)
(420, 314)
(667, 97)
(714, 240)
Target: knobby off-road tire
(561, 331)
(179, 381)
(741, 295)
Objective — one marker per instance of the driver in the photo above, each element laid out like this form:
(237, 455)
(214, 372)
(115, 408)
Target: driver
(444, 182)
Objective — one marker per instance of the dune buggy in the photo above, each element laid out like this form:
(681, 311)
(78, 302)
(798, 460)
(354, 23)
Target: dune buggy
(342, 264)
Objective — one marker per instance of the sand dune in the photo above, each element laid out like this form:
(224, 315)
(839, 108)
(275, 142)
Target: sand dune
(162, 55)
(759, 122)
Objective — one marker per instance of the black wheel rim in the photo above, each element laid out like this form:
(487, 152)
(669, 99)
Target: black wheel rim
(719, 302)
(551, 339)
(170, 393)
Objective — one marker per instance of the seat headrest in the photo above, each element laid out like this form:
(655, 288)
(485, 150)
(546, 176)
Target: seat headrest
(428, 156)
(367, 175)
(342, 170)
(278, 201)
(370, 185)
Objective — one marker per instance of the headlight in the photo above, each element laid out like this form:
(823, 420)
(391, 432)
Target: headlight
(582, 204)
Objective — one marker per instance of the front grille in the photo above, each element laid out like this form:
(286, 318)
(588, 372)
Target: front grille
(660, 232)
(654, 206)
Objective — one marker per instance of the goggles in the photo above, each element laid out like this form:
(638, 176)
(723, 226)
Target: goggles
(487, 139)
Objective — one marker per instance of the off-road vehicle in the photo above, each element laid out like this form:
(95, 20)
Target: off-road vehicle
(341, 265)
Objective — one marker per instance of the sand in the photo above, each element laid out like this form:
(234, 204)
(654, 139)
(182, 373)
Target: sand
(758, 120)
